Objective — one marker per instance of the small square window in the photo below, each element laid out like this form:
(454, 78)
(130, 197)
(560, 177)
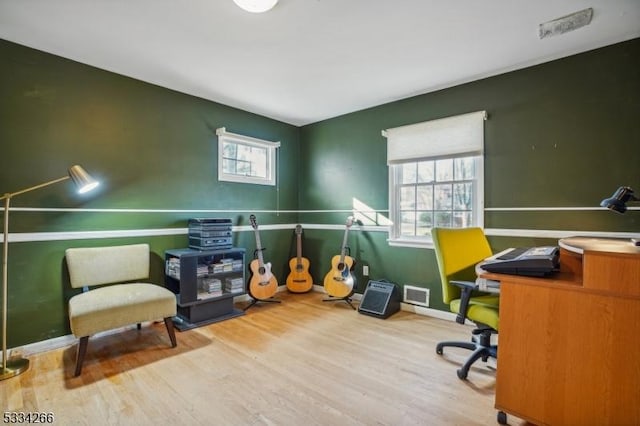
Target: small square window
(245, 159)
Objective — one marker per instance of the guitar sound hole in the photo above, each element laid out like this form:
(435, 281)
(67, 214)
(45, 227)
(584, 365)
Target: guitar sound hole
(340, 266)
(261, 270)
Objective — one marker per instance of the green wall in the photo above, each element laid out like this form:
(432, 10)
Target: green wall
(561, 134)
(153, 149)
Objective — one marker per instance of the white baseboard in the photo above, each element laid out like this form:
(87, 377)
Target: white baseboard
(429, 312)
(59, 342)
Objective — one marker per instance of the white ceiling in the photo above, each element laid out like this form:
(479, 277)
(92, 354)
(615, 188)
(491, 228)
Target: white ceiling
(309, 60)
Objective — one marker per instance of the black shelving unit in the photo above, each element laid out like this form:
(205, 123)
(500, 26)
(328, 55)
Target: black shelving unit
(205, 283)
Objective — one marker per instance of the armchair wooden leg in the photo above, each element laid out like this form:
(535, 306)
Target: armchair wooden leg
(172, 334)
(82, 351)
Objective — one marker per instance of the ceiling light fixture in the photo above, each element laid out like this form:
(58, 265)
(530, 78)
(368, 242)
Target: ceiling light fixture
(256, 6)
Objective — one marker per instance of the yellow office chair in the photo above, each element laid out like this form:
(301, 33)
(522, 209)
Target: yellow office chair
(458, 250)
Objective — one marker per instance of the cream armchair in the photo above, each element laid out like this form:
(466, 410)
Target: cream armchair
(123, 302)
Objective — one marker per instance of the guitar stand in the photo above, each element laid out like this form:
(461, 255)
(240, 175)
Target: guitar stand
(255, 301)
(346, 298)
(340, 299)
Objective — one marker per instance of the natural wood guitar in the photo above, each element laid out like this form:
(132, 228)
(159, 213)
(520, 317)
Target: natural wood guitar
(299, 279)
(339, 282)
(262, 284)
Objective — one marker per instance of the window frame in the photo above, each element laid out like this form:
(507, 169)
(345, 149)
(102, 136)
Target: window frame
(271, 158)
(395, 184)
(452, 137)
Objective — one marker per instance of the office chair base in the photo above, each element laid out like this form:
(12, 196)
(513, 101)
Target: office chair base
(464, 345)
(483, 352)
(480, 345)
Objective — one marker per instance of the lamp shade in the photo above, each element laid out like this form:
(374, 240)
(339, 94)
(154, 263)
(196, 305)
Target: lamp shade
(256, 6)
(82, 179)
(618, 201)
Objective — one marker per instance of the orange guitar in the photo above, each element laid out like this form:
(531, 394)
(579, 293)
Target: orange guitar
(339, 281)
(299, 279)
(262, 284)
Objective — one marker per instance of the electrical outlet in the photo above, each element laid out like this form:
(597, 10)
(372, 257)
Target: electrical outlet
(365, 270)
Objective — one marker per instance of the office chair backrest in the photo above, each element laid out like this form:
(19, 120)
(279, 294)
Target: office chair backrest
(458, 250)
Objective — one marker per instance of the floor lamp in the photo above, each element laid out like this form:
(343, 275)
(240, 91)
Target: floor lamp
(85, 183)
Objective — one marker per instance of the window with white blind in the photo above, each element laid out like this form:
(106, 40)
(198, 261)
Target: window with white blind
(245, 159)
(436, 177)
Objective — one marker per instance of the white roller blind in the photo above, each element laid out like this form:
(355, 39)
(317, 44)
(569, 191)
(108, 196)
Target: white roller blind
(451, 136)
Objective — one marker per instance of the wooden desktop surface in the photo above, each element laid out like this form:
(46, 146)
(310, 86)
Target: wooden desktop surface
(569, 345)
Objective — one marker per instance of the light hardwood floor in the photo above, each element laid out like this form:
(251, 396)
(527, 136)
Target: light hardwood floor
(299, 362)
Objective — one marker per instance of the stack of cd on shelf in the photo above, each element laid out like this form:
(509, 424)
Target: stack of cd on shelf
(202, 269)
(234, 285)
(237, 265)
(213, 286)
(225, 265)
(208, 234)
(172, 267)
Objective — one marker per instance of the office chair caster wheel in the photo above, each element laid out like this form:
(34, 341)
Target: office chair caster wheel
(462, 375)
(438, 350)
(502, 418)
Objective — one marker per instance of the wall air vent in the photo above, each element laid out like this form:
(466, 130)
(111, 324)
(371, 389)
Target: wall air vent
(416, 295)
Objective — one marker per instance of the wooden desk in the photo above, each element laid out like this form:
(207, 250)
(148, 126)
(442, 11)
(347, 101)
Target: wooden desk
(569, 346)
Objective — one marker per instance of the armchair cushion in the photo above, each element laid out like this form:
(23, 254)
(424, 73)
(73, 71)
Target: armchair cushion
(119, 305)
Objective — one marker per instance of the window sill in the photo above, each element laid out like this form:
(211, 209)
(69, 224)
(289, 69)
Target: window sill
(412, 243)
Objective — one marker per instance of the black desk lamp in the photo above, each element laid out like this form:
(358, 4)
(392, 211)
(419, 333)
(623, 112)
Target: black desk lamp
(619, 199)
(618, 203)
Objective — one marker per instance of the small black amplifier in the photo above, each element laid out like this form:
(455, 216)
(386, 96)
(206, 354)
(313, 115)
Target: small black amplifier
(381, 299)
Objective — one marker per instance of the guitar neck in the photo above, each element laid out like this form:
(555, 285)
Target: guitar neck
(343, 251)
(259, 248)
(299, 249)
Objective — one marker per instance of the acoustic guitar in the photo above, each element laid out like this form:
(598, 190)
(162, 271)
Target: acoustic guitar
(339, 282)
(262, 284)
(299, 279)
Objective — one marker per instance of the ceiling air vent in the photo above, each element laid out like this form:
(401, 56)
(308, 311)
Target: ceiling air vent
(566, 23)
